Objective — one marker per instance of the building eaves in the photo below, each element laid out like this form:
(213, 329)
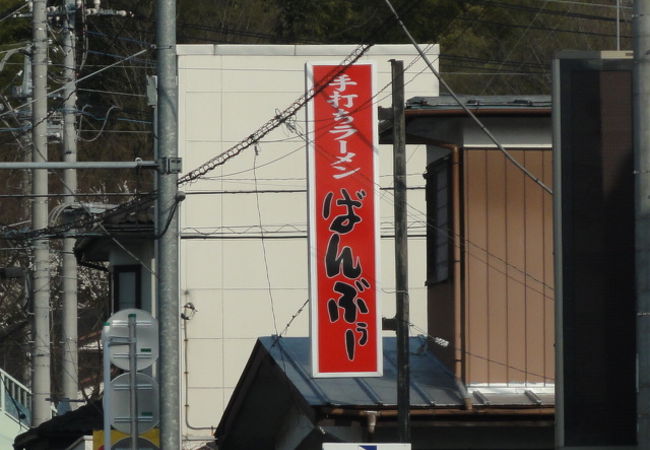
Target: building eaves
(480, 105)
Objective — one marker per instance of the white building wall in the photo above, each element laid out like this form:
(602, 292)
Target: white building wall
(225, 93)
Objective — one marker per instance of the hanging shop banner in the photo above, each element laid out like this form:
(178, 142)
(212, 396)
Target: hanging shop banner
(343, 221)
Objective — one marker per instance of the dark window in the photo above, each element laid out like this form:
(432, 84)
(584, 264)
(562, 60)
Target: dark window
(126, 287)
(439, 231)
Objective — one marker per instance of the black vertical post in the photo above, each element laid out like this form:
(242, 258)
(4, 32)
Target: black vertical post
(401, 252)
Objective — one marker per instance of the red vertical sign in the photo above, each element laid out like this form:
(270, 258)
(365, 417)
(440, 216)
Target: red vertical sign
(343, 222)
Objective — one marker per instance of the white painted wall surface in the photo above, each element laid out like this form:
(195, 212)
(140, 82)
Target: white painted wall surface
(225, 93)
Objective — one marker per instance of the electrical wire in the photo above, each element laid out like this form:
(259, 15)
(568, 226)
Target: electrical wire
(79, 80)
(513, 47)
(540, 28)
(272, 124)
(12, 12)
(263, 243)
(441, 341)
(587, 4)
(553, 12)
(99, 91)
(101, 130)
(487, 253)
(464, 107)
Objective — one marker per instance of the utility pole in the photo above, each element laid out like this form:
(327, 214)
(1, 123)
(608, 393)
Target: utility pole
(167, 261)
(41, 252)
(401, 252)
(641, 101)
(26, 92)
(70, 365)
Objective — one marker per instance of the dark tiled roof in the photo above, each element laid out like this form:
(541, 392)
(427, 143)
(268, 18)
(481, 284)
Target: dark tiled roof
(431, 383)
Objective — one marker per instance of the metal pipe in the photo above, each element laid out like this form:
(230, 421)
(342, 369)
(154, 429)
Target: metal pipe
(401, 251)
(69, 364)
(457, 252)
(618, 25)
(458, 258)
(641, 102)
(106, 400)
(186, 371)
(41, 411)
(167, 267)
(79, 165)
(133, 388)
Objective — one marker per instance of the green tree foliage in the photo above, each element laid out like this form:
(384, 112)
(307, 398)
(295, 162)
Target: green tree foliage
(361, 21)
(487, 46)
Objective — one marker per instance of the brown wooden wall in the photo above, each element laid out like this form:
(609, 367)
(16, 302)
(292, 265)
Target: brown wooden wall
(508, 311)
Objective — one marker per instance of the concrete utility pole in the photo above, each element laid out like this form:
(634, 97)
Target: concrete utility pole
(401, 253)
(641, 101)
(70, 365)
(167, 260)
(41, 251)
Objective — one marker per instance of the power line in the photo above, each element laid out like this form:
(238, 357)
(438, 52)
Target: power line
(442, 341)
(514, 46)
(10, 13)
(553, 12)
(266, 262)
(464, 107)
(99, 91)
(587, 4)
(79, 80)
(272, 124)
(540, 28)
(491, 61)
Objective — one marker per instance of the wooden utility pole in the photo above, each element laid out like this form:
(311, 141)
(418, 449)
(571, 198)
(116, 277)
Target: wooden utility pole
(401, 252)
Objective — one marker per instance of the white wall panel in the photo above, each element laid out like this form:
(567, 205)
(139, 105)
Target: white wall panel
(205, 109)
(207, 321)
(202, 264)
(204, 211)
(236, 353)
(202, 373)
(205, 408)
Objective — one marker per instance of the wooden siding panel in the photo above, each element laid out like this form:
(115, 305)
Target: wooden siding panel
(535, 313)
(496, 268)
(509, 308)
(549, 293)
(516, 292)
(476, 311)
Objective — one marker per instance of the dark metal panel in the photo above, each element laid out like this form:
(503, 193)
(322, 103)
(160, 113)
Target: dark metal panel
(597, 298)
(431, 382)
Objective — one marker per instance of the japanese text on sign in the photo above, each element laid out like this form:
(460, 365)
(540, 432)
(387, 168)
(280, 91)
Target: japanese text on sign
(343, 222)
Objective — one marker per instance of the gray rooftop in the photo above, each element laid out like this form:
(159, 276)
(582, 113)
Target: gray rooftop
(479, 102)
(431, 383)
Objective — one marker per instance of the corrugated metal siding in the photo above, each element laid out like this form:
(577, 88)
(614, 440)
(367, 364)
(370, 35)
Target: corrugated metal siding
(509, 318)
